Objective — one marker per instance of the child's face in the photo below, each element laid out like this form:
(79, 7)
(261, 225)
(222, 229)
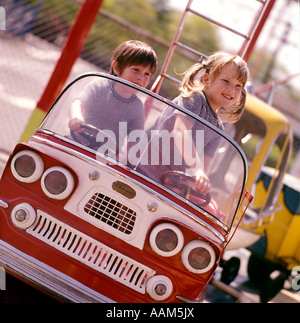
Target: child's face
(137, 74)
(225, 90)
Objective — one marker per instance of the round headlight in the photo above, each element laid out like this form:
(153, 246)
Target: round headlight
(166, 239)
(23, 215)
(57, 183)
(198, 257)
(27, 166)
(159, 287)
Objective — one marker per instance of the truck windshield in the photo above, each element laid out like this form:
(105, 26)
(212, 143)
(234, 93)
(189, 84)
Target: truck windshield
(165, 144)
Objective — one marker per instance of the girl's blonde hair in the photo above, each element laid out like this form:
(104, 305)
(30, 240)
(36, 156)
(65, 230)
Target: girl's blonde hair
(193, 81)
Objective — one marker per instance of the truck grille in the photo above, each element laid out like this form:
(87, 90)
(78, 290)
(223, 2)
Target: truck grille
(111, 212)
(90, 252)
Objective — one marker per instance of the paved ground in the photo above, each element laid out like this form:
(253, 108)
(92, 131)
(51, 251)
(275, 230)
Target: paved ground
(248, 292)
(26, 65)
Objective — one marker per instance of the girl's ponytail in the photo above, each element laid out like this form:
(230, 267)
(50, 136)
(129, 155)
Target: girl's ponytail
(192, 80)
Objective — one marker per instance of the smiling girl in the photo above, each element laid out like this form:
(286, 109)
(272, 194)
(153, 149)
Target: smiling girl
(215, 91)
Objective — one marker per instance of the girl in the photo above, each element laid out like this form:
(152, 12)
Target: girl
(215, 91)
(104, 104)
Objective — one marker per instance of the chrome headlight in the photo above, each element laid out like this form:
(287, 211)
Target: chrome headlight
(159, 287)
(57, 183)
(27, 166)
(23, 215)
(166, 239)
(198, 256)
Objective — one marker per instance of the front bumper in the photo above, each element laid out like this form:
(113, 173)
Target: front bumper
(47, 278)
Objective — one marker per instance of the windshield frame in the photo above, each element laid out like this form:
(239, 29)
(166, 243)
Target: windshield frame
(174, 106)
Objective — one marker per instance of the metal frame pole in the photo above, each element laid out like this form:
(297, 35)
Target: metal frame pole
(74, 44)
(248, 46)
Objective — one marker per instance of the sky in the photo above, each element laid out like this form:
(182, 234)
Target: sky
(238, 14)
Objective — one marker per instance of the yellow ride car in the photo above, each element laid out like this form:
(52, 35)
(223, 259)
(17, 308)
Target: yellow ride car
(270, 228)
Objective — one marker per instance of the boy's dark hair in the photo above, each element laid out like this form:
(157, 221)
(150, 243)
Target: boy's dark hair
(134, 52)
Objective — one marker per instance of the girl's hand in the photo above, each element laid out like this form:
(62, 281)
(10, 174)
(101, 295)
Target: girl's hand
(202, 182)
(75, 125)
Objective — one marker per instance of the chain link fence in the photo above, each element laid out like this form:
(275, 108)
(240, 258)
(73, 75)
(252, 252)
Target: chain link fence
(35, 31)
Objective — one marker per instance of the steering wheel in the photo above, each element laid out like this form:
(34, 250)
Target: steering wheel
(185, 184)
(87, 137)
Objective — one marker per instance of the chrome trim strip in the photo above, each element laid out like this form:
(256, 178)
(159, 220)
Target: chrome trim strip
(47, 278)
(3, 204)
(187, 300)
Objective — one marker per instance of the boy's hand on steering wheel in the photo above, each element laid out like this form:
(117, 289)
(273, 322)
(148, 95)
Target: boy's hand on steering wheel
(75, 125)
